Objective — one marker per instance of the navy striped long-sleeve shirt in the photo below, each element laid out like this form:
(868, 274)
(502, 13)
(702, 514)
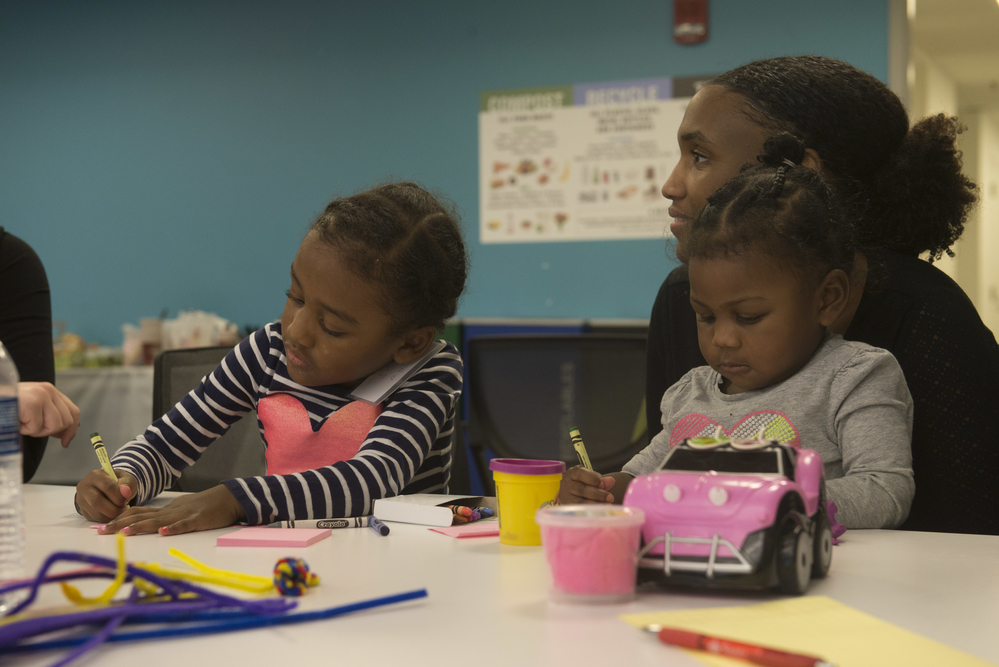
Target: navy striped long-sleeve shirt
(408, 450)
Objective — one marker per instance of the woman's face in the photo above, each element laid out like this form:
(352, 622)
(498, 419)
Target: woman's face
(716, 139)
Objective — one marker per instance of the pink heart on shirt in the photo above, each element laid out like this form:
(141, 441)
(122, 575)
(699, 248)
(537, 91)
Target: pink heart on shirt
(292, 445)
(775, 425)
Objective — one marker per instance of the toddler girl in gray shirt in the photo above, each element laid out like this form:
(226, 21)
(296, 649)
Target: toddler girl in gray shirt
(770, 260)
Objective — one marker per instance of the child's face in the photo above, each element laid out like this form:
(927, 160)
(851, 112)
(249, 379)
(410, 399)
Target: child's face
(757, 323)
(334, 328)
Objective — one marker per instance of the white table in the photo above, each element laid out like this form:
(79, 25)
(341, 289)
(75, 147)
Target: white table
(488, 602)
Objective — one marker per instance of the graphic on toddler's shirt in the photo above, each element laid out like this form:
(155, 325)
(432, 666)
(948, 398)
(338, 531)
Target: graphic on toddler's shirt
(293, 445)
(776, 426)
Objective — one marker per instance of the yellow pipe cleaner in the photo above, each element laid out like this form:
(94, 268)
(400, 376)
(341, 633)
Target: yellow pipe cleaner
(73, 594)
(250, 583)
(245, 582)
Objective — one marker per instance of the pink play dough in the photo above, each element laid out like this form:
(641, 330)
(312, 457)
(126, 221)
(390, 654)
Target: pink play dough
(591, 551)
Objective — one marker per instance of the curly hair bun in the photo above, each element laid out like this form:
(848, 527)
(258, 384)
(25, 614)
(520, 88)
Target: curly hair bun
(926, 173)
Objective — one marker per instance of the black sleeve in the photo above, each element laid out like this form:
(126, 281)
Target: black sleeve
(26, 325)
(950, 360)
(672, 348)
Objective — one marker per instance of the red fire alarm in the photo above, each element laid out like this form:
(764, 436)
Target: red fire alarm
(690, 21)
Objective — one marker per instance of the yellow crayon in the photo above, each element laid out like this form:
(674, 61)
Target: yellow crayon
(577, 444)
(102, 455)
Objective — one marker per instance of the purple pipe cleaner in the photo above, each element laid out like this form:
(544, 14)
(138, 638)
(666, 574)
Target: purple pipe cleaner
(114, 615)
(97, 639)
(171, 586)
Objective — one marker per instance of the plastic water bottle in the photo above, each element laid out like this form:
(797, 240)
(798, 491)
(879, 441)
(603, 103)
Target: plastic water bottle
(11, 519)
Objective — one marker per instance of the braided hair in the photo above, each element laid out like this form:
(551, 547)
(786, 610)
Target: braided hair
(778, 208)
(407, 240)
(905, 185)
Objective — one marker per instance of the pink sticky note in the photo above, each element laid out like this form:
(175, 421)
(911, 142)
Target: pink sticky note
(476, 529)
(261, 536)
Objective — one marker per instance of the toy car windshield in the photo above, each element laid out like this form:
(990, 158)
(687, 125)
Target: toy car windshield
(724, 459)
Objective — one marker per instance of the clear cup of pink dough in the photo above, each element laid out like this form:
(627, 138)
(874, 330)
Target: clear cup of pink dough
(592, 551)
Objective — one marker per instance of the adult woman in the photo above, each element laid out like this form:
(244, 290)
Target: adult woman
(906, 189)
(26, 332)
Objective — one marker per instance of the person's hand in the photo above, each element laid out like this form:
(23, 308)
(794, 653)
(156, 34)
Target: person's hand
(100, 498)
(44, 410)
(580, 485)
(213, 508)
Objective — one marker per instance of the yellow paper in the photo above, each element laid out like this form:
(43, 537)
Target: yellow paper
(812, 625)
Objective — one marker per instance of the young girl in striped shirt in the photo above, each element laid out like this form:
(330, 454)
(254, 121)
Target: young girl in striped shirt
(376, 277)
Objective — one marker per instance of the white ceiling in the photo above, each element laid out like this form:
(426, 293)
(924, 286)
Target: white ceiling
(962, 38)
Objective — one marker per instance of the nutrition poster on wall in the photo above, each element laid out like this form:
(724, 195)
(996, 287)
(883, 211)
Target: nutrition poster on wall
(576, 163)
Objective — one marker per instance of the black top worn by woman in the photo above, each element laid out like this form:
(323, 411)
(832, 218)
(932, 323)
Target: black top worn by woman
(26, 325)
(950, 360)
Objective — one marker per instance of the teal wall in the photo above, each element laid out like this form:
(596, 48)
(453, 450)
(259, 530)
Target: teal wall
(169, 154)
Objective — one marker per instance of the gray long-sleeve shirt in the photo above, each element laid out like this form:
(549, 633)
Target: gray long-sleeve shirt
(849, 403)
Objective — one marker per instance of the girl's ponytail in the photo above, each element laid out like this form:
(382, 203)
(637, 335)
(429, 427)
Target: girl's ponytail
(782, 151)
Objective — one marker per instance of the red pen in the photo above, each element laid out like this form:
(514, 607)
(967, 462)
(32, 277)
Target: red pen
(758, 655)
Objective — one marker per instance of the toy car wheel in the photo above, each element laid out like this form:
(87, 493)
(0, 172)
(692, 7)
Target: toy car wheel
(823, 543)
(794, 557)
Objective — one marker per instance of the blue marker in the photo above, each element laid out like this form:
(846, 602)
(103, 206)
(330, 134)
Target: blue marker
(377, 526)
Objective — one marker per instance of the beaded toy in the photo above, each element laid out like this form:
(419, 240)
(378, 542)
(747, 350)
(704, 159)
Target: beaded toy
(292, 576)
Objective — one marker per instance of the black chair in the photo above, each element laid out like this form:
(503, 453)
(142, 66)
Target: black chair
(527, 391)
(238, 453)
(460, 482)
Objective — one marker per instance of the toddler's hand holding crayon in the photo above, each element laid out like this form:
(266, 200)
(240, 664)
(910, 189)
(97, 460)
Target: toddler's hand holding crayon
(580, 485)
(101, 498)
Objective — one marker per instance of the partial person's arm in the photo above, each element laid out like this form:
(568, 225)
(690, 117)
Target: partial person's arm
(656, 350)
(45, 411)
(672, 348)
(951, 362)
(874, 428)
(26, 327)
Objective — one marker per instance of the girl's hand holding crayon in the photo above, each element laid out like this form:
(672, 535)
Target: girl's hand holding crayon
(101, 498)
(213, 508)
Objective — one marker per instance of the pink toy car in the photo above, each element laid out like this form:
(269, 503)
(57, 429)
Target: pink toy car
(734, 513)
